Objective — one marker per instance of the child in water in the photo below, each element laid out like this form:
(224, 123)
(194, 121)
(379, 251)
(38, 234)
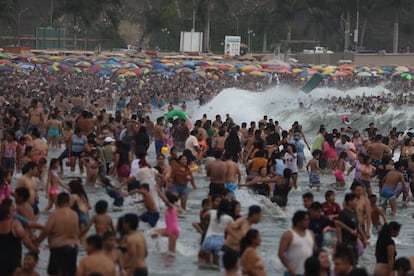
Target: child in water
(314, 174)
(172, 230)
(102, 221)
(52, 183)
(113, 192)
(29, 265)
(92, 164)
(340, 170)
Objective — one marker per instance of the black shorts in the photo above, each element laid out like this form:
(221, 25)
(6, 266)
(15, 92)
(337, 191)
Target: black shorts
(62, 260)
(141, 272)
(8, 163)
(76, 154)
(216, 189)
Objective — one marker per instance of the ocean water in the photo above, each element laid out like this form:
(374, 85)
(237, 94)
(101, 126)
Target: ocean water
(280, 103)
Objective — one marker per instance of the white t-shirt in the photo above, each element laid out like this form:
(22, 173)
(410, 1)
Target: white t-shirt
(134, 167)
(190, 143)
(218, 228)
(291, 162)
(339, 147)
(147, 175)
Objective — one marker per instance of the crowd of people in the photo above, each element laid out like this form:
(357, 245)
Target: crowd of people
(69, 112)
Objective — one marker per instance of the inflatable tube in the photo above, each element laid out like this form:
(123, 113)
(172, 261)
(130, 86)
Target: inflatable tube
(176, 113)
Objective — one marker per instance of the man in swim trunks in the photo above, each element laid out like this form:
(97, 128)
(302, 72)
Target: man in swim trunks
(152, 215)
(377, 150)
(233, 175)
(217, 171)
(391, 180)
(62, 231)
(35, 116)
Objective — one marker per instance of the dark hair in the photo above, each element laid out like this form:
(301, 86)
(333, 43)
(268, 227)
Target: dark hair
(217, 154)
(312, 266)
(232, 211)
(386, 230)
(402, 263)
(349, 197)
(29, 166)
(316, 152)
(247, 240)
(223, 208)
(316, 205)
(132, 220)
(254, 209)
(107, 235)
(77, 188)
(101, 207)
(172, 198)
(343, 252)
(52, 161)
(299, 216)
(4, 212)
(33, 255)
(358, 271)
(328, 194)
(23, 193)
(63, 198)
(96, 241)
(205, 201)
(307, 195)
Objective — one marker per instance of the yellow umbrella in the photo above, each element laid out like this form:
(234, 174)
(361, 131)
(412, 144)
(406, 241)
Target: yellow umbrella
(296, 70)
(55, 58)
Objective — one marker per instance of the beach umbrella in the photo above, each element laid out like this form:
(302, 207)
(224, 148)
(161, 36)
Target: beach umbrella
(257, 74)
(155, 71)
(406, 76)
(402, 69)
(77, 70)
(104, 72)
(346, 67)
(26, 65)
(364, 74)
(129, 65)
(6, 68)
(55, 58)
(95, 68)
(53, 69)
(184, 70)
(166, 73)
(83, 64)
(137, 71)
(296, 70)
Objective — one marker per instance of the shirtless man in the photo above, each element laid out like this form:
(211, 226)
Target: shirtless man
(391, 180)
(217, 171)
(96, 261)
(233, 175)
(136, 247)
(85, 123)
(377, 150)
(35, 115)
(239, 228)
(67, 135)
(363, 209)
(152, 214)
(62, 231)
(28, 180)
(159, 135)
(40, 147)
(220, 140)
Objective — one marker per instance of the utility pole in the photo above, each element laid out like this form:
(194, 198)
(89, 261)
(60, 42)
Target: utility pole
(51, 14)
(356, 32)
(347, 32)
(19, 16)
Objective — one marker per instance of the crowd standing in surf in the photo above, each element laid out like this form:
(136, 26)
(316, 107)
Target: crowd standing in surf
(43, 110)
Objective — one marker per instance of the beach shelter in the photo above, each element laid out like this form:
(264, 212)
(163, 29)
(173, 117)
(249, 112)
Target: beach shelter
(364, 74)
(402, 69)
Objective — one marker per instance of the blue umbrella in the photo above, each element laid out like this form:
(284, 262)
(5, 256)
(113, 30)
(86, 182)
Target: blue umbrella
(6, 68)
(104, 72)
